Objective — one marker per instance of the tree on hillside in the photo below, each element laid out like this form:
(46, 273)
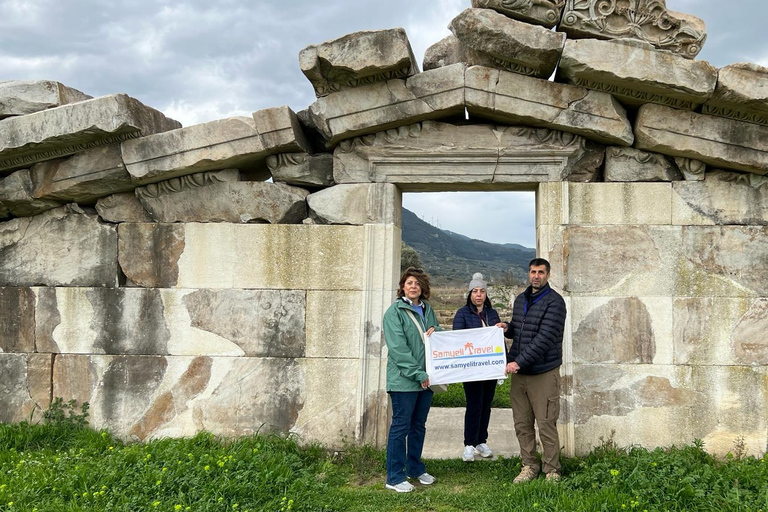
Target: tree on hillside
(409, 257)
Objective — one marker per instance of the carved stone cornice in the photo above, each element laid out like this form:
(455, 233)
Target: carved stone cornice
(634, 95)
(646, 20)
(540, 12)
(190, 181)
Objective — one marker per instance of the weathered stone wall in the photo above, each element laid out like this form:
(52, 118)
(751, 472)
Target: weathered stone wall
(154, 271)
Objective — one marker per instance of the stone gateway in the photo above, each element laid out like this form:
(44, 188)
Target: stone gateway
(154, 271)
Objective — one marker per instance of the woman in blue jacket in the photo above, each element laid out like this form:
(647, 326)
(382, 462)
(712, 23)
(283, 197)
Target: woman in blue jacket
(477, 313)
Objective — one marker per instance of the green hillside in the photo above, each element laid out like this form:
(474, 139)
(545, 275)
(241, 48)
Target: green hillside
(451, 258)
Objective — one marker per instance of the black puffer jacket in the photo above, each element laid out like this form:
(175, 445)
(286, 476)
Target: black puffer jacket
(536, 329)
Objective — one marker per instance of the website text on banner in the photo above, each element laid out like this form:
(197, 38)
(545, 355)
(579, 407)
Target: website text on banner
(465, 356)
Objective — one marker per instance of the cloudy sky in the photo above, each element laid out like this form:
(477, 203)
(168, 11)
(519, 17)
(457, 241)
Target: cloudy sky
(203, 60)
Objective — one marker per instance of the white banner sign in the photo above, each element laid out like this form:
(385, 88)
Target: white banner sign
(466, 355)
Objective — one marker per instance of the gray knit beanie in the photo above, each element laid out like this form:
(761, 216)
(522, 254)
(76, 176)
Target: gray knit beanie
(477, 282)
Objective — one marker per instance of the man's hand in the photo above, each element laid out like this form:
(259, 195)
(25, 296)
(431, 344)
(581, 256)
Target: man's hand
(513, 367)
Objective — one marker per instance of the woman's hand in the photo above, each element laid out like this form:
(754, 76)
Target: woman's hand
(503, 325)
(429, 333)
(425, 384)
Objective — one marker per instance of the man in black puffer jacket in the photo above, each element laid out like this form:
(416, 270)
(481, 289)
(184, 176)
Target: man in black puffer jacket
(534, 359)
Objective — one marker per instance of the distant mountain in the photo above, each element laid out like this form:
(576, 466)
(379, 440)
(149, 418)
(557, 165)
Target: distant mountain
(451, 258)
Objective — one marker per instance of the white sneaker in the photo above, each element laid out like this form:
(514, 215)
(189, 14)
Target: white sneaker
(483, 450)
(404, 486)
(469, 454)
(426, 479)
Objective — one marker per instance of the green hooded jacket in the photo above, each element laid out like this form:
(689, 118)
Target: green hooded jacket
(406, 360)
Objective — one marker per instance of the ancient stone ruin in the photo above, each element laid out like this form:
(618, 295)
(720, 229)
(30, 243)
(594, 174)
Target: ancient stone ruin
(154, 271)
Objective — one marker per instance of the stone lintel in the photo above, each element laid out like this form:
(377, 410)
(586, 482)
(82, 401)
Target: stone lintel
(73, 128)
(515, 99)
(636, 73)
(716, 141)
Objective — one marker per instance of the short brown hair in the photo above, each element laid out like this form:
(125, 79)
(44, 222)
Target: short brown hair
(421, 276)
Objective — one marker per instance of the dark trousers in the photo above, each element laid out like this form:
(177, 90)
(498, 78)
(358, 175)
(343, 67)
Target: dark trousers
(478, 414)
(406, 434)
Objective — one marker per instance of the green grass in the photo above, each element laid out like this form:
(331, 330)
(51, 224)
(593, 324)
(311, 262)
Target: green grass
(454, 397)
(64, 467)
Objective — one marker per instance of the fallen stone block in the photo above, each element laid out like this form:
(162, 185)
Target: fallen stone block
(376, 203)
(450, 50)
(513, 45)
(219, 197)
(22, 97)
(302, 169)
(62, 247)
(356, 59)
(716, 141)
(237, 142)
(741, 93)
(431, 154)
(516, 99)
(73, 128)
(82, 178)
(16, 196)
(647, 21)
(628, 164)
(124, 207)
(636, 73)
(539, 12)
(371, 108)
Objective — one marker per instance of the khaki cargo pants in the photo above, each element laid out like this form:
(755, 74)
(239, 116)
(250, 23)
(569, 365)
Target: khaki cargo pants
(536, 398)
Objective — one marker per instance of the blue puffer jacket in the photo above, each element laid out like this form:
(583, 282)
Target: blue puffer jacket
(468, 318)
(536, 330)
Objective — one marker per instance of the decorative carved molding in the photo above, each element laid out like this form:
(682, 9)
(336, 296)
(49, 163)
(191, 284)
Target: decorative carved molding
(337, 81)
(641, 157)
(199, 179)
(731, 113)
(514, 67)
(546, 11)
(8, 164)
(751, 180)
(634, 94)
(275, 162)
(691, 166)
(647, 20)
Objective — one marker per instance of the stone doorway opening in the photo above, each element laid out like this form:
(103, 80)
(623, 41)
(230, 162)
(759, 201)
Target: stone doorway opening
(453, 235)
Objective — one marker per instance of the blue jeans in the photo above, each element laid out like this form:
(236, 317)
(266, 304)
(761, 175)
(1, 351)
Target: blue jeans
(409, 419)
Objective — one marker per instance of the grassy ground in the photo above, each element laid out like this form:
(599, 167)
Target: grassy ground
(63, 467)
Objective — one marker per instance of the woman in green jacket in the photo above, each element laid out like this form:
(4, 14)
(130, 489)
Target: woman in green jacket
(407, 381)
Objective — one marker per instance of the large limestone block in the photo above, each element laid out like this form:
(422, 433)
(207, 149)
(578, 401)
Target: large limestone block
(513, 45)
(636, 73)
(124, 207)
(371, 108)
(619, 203)
(138, 321)
(516, 99)
(648, 21)
(21, 97)
(629, 164)
(716, 141)
(62, 247)
(236, 142)
(538, 12)
(622, 330)
(430, 155)
(723, 198)
(622, 261)
(82, 178)
(723, 261)
(719, 331)
(450, 50)
(741, 93)
(301, 169)
(358, 59)
(17, 319)
(73, 128)
(376, 203)
(219, 197)
(662, 405)
(148, 397)
(25, 389)
(16, 195)
(242, 256)
(332, 331)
